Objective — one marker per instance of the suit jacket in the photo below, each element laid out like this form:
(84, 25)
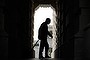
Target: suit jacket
(43, 31)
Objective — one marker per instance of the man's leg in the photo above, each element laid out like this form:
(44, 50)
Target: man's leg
(46, 50)
(41, 49)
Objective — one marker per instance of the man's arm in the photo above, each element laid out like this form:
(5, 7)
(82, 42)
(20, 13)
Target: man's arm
(50, 34)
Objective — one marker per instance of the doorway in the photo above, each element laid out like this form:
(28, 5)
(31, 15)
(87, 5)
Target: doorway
(41, 12)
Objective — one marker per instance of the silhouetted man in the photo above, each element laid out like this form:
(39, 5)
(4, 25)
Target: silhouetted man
(42, 35)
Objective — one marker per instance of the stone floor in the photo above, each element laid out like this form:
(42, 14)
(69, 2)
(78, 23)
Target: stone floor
(43, 59)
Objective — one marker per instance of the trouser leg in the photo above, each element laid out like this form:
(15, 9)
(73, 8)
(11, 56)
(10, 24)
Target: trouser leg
(46, 49)
(41, 49)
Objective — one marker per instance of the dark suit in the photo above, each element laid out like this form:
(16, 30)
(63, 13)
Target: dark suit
(42, 35)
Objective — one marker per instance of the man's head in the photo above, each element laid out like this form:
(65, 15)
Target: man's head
(48, 20)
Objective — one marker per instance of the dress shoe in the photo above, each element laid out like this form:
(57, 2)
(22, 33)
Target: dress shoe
(47, 57)
(41, 57)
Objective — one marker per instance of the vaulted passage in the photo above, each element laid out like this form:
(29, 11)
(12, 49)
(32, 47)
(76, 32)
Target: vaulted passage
(70, 27)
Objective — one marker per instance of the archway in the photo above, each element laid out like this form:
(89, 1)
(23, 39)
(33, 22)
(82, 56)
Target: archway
(41, 12)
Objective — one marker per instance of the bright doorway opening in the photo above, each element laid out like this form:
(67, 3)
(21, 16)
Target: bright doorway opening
(40, 14)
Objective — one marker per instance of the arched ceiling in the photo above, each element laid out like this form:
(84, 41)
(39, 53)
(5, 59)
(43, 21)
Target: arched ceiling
(44, 1)
(37, 2)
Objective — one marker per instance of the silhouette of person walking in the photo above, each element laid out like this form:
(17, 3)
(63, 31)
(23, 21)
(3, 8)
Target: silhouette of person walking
(42, 35)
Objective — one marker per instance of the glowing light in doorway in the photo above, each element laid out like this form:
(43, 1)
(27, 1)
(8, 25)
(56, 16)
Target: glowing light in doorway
(40, 16)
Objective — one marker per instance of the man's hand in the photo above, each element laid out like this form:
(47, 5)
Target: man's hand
(51, 36)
